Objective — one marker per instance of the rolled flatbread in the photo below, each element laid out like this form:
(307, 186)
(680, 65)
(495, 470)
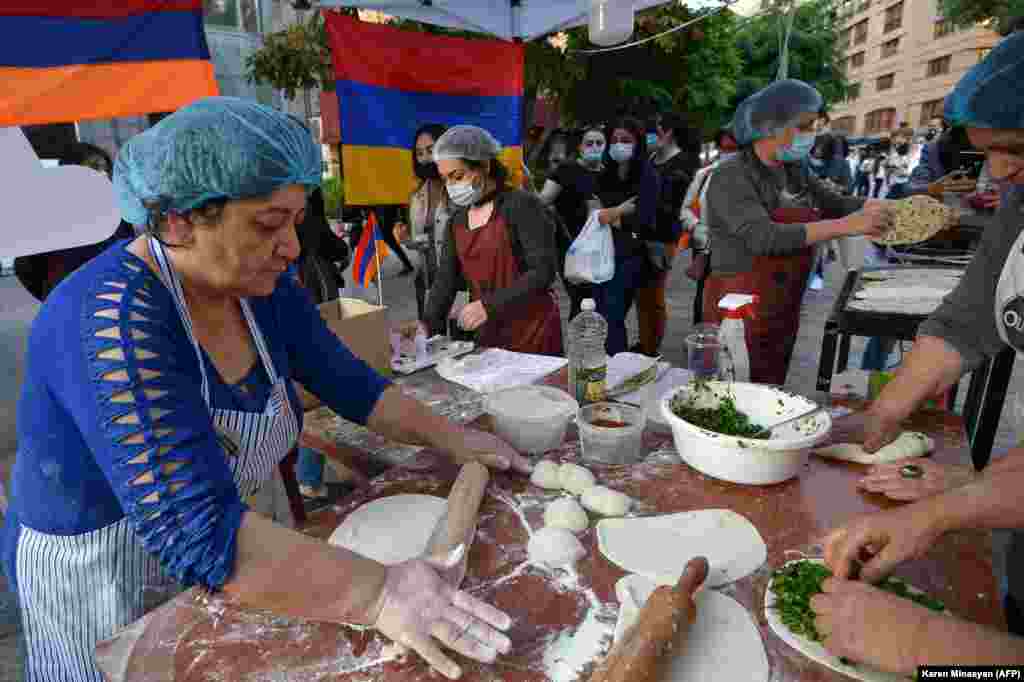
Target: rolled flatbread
(909, 445)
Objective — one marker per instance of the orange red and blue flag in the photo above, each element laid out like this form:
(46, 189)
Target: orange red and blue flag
(369, 254)
(391, 81)
(63, 61)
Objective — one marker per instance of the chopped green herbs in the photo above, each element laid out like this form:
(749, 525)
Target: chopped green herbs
(794, 585)
(726, 418)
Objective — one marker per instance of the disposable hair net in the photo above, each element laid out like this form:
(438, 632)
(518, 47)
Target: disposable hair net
(991, 95)
(215, 148)
(774, 108)
(466, 142)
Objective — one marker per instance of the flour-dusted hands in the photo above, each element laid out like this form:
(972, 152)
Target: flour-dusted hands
(419, 610)
(866, 625)
(491, 451)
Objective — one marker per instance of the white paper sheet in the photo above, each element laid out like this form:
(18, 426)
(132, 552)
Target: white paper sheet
(495, 369)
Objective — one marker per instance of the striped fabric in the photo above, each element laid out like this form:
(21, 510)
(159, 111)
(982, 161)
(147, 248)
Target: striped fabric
(76, 590)
(390, 82)
(68, 61)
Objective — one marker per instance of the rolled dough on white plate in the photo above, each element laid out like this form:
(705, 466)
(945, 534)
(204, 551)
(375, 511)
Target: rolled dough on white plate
(392, 529)
(816, 652)
(909, 445)
(658, 547)
(722, 644)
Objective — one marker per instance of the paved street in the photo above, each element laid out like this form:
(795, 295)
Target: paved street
(17, 309)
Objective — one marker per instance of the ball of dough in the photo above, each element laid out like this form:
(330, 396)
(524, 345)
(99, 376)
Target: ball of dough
(546, 475)
(554, 547)
(575, 478)
(605, 501)
(566, 513)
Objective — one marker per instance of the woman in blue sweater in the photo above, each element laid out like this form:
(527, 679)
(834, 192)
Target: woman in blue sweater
(158, 402)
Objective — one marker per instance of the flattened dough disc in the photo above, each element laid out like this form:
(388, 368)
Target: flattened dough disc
(815, 651)
(909, 445)
(723, 643)
(658, 547)
(392, 529)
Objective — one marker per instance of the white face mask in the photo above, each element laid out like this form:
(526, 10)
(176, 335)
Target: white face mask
(621, 152)
(463, 193)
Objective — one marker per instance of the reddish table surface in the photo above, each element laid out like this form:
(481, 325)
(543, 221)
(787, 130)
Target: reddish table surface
(204, 638)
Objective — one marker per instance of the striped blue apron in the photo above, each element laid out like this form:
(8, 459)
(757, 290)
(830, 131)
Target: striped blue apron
(77, 590)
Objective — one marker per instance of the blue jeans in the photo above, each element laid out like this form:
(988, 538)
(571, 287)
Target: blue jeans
(615, 297)
(309, 470)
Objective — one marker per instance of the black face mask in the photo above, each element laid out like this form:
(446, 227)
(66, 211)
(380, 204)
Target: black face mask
(930, 135)
(426, 171)
(903, 149)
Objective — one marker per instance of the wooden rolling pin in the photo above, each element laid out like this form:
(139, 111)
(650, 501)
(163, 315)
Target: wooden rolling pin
(646, 649)
(464, 501)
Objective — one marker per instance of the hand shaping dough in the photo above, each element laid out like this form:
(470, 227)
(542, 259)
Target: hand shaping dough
(555, 547)
(546, 475)
(575, 478)
(722, 644)
(909, 445)
(566, 513)
(605, 501)
(658, 547)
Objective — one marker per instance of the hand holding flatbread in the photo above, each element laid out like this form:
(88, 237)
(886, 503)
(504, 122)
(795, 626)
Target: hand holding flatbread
(908, 445)
(917, 219)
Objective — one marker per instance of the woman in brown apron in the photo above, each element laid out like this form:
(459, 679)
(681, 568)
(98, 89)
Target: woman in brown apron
(765, 212)
(500, 243)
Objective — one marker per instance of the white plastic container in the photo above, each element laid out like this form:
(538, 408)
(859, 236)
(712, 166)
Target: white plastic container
(532, 419)
(746, 460)
(611, 444)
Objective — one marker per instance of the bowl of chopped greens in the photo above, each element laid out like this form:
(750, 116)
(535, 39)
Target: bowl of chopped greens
(718, 428)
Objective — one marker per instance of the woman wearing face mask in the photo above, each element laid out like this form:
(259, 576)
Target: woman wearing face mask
(501, 243)
(428, 210)
(628, 189)
(571, 191)
(765, 212)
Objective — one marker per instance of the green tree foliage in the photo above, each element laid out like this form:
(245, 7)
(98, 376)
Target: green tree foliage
(293, 59)
(1001, 13)
(813, 51)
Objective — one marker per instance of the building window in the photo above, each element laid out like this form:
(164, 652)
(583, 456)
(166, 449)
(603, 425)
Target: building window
(939, 66)
(853, 92)
(943, 28)
(237, 15)
(846, 124)
(844, 39)
(886, 82)
(983, 52)
(930, 110)
(894, 17)
(857, 60)
(879, 120)
(890, 48)
(860, 33)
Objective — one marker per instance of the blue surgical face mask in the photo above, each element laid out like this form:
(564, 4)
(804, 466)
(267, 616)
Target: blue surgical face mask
(652, 140)
(593, 154)
(798, 149)
(817, 163)
(463, 193)
(621, 152)
(725, 156)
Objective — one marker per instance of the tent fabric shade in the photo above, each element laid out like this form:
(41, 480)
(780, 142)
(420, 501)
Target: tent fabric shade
(102, 60)
(390, 82)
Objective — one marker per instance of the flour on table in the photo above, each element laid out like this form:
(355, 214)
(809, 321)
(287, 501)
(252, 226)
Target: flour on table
(392, 529)
(659, 547)
(722, 644)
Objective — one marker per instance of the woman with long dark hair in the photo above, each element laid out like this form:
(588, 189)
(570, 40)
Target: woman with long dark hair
(628, 189)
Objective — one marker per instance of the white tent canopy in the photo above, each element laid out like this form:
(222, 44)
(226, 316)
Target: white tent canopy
(508, 19)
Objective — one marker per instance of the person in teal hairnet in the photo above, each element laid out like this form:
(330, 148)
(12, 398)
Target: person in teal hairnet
(983, 315)
(158, 401)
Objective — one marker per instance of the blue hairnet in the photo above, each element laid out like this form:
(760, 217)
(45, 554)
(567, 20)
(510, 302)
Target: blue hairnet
(990, 94)
(217, 147)
(774, 108)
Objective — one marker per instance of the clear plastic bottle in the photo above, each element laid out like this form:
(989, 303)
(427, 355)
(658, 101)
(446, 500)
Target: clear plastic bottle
(588, 361)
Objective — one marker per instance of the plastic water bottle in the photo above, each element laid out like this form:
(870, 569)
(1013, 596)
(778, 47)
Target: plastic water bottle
(735, 309)
(588, 361)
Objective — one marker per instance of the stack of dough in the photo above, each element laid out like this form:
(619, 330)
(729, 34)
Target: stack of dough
(555, 545)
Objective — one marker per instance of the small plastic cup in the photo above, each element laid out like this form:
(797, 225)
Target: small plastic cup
(611, 433)
(704, 352)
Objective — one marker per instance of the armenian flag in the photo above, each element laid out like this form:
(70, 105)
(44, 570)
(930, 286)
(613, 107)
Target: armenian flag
(63, 61)
(391, 81)
(370, 252)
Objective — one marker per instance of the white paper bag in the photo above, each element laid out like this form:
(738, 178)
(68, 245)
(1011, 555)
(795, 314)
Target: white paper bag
(591, 257)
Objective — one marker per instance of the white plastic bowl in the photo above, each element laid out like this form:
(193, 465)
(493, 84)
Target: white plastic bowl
(532, 419)
(747, 460)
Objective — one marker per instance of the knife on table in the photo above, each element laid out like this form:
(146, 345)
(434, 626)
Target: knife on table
(453, 534)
